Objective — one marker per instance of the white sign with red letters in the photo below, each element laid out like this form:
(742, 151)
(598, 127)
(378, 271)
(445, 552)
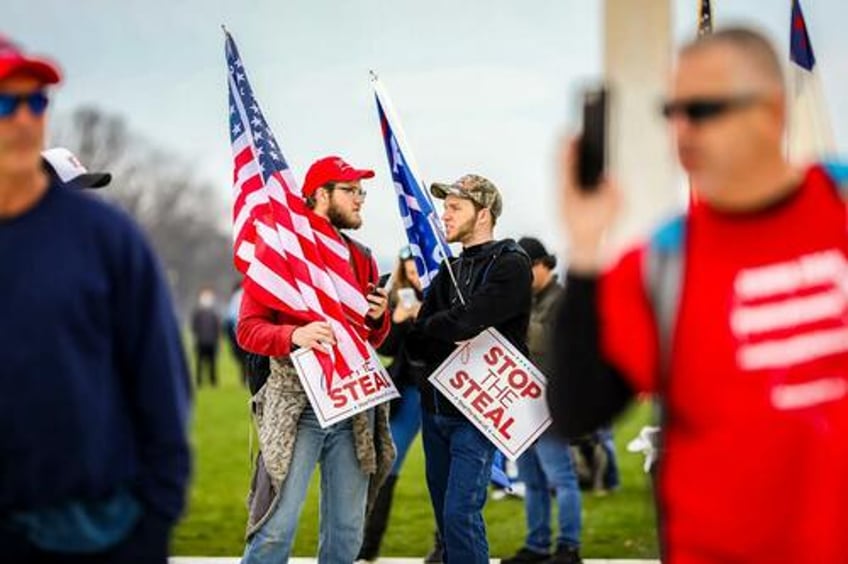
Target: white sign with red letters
(369, 386)
(498, 390)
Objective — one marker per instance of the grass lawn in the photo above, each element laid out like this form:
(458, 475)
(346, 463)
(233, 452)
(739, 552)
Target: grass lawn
(620, 525)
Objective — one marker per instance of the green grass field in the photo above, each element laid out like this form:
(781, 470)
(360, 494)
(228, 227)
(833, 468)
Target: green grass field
(619, 525)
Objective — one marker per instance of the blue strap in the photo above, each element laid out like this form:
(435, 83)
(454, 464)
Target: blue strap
(838, 172)
(669, 237)
(663, 281)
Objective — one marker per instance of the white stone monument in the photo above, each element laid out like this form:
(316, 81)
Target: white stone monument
(637, 57)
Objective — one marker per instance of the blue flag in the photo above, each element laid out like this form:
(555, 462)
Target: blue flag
(800, 47)
(426, 240)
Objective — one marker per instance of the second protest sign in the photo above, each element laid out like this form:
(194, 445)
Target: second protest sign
(498, 390)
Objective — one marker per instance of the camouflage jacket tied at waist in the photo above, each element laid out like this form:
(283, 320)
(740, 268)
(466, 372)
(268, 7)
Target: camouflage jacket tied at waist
(276, 409)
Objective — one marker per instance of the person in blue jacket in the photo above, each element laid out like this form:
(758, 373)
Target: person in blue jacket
(94, 390)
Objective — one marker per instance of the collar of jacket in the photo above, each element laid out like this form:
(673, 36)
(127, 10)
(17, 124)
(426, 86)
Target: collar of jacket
(479, 250)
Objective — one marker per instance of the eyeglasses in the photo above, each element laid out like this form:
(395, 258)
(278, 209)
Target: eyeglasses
(699, 110)
(37, 102)
(352, 190)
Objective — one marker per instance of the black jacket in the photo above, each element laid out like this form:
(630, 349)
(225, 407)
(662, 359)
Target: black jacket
(584, 390)
(495, 280)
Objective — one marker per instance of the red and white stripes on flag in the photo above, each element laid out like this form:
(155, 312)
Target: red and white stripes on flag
(293, 260)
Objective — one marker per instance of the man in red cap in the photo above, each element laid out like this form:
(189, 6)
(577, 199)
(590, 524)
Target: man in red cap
(94, 457)
(351, 453)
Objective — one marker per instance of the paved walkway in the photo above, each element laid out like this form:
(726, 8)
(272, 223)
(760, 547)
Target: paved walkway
(201, 560)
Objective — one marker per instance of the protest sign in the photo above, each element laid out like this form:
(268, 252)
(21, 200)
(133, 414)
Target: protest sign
(363, 389)
(497, 389)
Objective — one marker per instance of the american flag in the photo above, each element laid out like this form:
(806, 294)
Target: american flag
(705, 18)
(810, 134)
(426, 240)
(293, 260)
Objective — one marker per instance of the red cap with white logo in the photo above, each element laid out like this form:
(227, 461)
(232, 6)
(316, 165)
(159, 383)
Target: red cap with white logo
(331, 169)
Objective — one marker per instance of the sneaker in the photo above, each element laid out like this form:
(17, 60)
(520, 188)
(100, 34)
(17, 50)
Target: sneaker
(526, 555)
(566, 555)
(366, 556)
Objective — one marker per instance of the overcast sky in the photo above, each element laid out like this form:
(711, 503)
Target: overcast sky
(481, 86)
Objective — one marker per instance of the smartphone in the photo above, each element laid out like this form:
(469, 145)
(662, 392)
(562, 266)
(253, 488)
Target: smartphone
(383, 282)
(592, 143)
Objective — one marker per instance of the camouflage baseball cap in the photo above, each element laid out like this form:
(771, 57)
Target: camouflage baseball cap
(472, 187)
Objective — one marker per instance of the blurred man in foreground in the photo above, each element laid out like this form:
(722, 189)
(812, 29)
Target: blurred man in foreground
(94, 456)
(735, 314)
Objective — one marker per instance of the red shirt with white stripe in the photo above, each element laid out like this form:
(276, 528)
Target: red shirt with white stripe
(755, 466)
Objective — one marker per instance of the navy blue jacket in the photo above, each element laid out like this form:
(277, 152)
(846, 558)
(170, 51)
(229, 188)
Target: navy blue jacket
(93, 381)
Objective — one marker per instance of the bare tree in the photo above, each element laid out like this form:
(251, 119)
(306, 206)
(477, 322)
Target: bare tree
(180, 214)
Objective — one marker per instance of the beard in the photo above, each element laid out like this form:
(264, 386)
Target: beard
(341, 219)
(463, 230)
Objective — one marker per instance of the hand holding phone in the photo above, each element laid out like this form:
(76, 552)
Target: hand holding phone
(590, 196)
(385, 282)
(592, 143)
(377, 297)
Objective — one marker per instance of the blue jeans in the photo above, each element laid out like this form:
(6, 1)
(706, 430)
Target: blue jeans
(405, 423)
(611, 477)
(344, 488)
(458, 461)
(547, 466)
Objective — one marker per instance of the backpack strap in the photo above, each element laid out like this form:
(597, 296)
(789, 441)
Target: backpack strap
(373, 275)
(662, 273)
(663, 281)
(838, 173)
(508, 246)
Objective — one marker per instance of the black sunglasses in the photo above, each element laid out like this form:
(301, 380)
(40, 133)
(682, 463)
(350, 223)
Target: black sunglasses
(698, 110)
(37, 102)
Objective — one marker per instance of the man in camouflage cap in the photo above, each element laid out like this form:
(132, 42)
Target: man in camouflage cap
(493, 290)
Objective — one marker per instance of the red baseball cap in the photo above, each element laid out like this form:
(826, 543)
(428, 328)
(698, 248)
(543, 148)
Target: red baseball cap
(13, 61)
(331, 169)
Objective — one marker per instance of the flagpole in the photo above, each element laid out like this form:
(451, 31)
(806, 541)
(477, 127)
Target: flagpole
(386, 103)
(449, 267)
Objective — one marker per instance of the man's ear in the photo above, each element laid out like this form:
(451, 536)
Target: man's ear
(484, 216)
(323, 195)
